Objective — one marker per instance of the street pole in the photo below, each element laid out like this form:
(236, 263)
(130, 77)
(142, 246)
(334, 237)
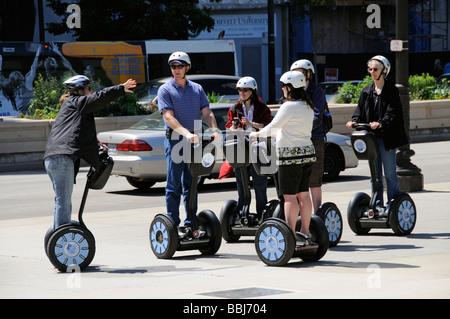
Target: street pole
(41, 20)
(271, 53)
(409, 175)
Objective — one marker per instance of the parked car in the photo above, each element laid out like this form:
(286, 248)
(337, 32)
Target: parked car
(222, 85)
(331, 88)
(138, 152)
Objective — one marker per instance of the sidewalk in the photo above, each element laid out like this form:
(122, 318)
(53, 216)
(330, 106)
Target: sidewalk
(379, 265)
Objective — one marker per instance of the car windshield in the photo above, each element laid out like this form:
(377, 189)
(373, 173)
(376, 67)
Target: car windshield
(152, 122)
(155, 121)
(330, 88)
(218, 86)
(221, 118)
(148, 91)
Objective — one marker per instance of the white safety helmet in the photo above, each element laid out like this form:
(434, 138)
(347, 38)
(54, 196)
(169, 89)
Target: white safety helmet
(180, 57)
(247, 82)
(385, 62)
(76, 83)
(78, 80)
(295, 78)
(303, 64)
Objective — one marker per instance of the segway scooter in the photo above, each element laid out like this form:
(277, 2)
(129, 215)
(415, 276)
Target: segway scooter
(275, 242)
(363, 214)
(240, 154)
(204, 233)
(72, 246)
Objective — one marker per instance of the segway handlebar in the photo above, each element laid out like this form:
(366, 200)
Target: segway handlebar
(362, 126)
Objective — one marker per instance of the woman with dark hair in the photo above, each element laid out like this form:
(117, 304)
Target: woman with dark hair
(250, 114)
(292, 126)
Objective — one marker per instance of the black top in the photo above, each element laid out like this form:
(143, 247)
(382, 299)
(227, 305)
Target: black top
(386, 109)
(74, 133)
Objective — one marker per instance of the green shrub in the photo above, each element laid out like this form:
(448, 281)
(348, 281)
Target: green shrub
(349, 93)
(421, 87)
(45, 101)
(424, 87)
(215, 98)
(125, 105)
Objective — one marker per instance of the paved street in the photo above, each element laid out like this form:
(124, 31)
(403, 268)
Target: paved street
(378, 265)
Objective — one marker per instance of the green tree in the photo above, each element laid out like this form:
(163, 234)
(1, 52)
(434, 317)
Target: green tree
(112, 20)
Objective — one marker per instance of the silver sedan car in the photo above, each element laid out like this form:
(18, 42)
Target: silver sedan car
(138, 152)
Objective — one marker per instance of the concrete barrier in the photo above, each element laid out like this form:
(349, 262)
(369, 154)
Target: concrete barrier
(22, 141)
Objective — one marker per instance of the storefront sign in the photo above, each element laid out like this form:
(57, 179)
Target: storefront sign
(237, 26)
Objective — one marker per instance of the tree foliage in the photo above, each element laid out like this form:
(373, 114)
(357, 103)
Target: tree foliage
(112, 20)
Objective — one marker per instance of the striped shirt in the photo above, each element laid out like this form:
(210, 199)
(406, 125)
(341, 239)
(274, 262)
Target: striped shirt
(186, 103)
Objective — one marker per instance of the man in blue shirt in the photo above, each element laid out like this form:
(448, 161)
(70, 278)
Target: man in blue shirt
(182, 104)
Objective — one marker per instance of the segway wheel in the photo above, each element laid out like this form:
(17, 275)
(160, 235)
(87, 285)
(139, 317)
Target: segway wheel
(402, 214)
(163, 236)
(355, 210)
(71, 247)
(47, 238)
(319, 235)
(208, 220)
(229, 214)
(274, 242)
(332, 217)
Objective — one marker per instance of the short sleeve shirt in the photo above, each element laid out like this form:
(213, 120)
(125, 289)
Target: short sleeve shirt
(186, 103)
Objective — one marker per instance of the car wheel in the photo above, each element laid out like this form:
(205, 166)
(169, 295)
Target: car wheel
(333, 163)
(140, 183)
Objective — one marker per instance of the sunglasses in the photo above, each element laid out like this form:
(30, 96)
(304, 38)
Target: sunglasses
(372, 69)
(179, 67)
(243, 90)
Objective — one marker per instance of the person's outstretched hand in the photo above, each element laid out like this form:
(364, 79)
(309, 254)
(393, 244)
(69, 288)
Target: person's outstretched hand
(130, 84)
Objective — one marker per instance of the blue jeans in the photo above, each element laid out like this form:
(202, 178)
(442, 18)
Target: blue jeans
(386, 161)
(259, 185)
(60, 169)
(178, 180)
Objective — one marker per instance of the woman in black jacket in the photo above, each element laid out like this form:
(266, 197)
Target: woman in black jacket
(379, 105)
(74, 137)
